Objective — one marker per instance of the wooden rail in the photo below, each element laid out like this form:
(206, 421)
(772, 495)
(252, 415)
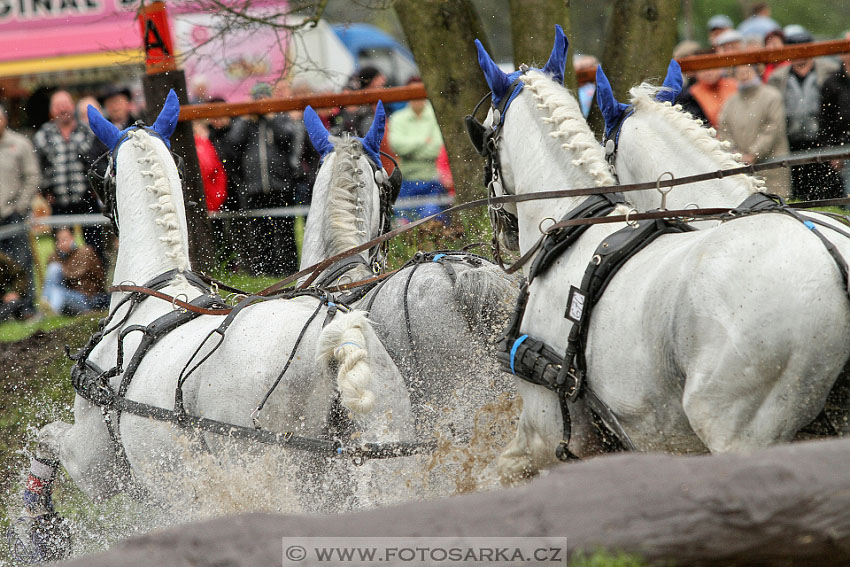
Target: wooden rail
(775, 55)
(417, 90)
(316, 100)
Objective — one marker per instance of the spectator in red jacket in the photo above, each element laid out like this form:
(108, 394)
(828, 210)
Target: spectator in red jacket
(212, 170)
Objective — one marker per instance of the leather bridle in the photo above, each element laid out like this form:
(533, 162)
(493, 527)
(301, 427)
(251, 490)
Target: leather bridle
(104, 186)
(486, 140)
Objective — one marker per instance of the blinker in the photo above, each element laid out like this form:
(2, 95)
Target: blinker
(477, 133)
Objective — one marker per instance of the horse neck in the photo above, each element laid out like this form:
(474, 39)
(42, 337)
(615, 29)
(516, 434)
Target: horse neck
(151, 216)
(344, 211)
(660, 140)
(547, 145)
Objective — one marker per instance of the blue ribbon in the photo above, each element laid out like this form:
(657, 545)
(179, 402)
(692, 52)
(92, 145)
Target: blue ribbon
(514, 349)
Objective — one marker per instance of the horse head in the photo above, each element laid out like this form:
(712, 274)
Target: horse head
(142, 188)
(532, 120)
(652, 137)
(504, 89)
(353, 193)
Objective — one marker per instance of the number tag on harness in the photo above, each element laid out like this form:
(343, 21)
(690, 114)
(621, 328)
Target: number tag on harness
(575, 305)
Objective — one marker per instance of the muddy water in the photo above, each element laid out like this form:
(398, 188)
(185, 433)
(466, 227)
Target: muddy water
(235, 478)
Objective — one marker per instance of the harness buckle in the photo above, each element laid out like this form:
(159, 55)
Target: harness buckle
(569, 382)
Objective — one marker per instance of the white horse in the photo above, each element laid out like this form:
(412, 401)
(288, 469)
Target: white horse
(343, 358)
(692, 345)
(658, 138)
(438, 317)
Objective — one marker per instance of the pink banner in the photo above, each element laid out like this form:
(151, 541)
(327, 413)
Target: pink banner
(31, 29)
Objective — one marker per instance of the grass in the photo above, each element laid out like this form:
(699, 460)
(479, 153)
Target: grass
(16, 330)
(602, 558)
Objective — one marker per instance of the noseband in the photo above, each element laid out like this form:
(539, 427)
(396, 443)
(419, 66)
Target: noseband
(104, 185)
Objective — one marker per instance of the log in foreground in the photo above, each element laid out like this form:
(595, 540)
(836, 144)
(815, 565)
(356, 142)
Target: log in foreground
(787, 505)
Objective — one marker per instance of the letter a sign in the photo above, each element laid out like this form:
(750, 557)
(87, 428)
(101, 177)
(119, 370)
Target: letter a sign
(156, 37)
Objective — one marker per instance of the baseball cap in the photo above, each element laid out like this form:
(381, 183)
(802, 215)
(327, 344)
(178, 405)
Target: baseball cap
(720, 21)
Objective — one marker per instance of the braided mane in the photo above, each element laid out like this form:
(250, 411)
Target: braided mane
(692, 129)
(348, 205)
(569, 125)
(151, 167)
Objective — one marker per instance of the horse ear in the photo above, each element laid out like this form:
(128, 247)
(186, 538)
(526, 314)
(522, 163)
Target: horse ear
(672, 82)
(166, 122)
(497, 80)
(611, 109)
(372, 140)
(317, 132)
(558, 59)
(105, 130)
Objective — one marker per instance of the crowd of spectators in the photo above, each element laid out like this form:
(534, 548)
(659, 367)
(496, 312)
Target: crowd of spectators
(260, 163)
(249, 165)
(769, 111)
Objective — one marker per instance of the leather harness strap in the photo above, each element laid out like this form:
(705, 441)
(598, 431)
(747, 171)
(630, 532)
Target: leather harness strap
(535, 362)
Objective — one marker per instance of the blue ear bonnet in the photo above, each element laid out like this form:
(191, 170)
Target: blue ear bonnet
(500, 82)
(317, 132)
(612, 111)
(371, 142)
(672, 82)
(164, 125)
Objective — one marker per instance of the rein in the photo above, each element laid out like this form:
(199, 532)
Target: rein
(226, 310)
(314, 270)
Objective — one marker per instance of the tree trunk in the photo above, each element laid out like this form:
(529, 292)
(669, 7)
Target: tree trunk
(201, 248)
(533, 31)
(440, 34)
(639, 43)
(784, 506)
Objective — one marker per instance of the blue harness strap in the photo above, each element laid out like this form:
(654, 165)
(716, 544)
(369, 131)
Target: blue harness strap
(437, 257)
(514, 348)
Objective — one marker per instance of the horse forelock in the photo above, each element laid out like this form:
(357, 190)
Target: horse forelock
(348, 210)
(692, 130)
(569, 126)
(156, 182)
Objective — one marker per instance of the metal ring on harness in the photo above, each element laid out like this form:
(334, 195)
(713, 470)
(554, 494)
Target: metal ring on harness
(234, 298)
(177, 298)
(661, 190)
(632, 223)
(491, 193)
(540, 225)
(339, 281)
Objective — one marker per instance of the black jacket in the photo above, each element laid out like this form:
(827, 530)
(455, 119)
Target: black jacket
(835, 110)
(267, 153)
